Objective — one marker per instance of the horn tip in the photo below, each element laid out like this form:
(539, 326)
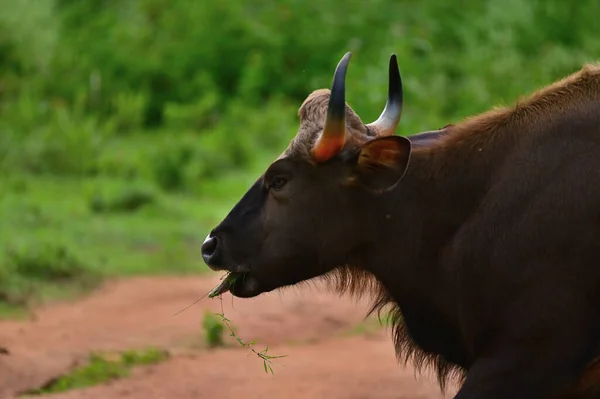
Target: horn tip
(344, 62)
(393, 60)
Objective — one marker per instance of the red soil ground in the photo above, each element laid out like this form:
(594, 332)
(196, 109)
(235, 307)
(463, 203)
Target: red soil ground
(327, 357)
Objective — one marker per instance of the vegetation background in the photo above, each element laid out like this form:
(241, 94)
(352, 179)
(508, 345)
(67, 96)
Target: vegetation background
(129, 128)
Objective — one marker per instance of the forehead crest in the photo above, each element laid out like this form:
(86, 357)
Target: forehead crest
(328, 123)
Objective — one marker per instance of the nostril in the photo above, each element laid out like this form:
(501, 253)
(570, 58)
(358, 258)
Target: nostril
(209, 247)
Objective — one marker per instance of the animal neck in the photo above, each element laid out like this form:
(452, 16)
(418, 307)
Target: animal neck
(416, 224)
(421, 216)
(449, 173)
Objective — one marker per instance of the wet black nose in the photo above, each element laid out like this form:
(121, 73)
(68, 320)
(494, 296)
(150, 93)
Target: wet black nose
(210, 251)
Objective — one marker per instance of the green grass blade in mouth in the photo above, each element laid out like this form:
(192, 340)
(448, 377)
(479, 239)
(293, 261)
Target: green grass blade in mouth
(225, 285)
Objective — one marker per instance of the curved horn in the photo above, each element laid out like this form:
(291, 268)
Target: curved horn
(387, 122)
(333, 137)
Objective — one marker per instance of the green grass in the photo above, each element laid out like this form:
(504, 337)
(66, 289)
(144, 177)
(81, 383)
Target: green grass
(213, 329)
(262, 355)
(124, 157)
(370, 325)
(11, 311)
(101, 368)
(61, 236)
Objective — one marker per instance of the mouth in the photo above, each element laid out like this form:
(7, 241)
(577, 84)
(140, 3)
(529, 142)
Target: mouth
(240, 284)
(225, 286)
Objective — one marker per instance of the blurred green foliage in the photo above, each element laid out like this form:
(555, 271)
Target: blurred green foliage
(213, 329)
(128, 128)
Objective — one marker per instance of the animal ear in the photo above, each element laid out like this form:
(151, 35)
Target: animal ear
(381, 163)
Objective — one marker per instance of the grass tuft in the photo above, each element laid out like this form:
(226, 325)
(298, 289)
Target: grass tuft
(213, 330)
(101, 368)
(128, 200)
(36, 270)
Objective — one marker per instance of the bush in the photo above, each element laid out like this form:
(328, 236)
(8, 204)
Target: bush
(25, 269)
(213, 330)
(76, 74)
(46, 262)
(43, 139)
(130, 199)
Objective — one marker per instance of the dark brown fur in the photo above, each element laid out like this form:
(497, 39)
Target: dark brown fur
(476, 134)
(482, 132)
(464, 162)
(358, 283)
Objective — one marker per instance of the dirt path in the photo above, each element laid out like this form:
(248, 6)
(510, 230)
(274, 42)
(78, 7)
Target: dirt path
(308, 325)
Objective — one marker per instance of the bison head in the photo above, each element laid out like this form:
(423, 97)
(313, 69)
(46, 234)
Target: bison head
(308, 214)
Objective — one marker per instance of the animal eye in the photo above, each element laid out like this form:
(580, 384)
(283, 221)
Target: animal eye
(277, 183)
